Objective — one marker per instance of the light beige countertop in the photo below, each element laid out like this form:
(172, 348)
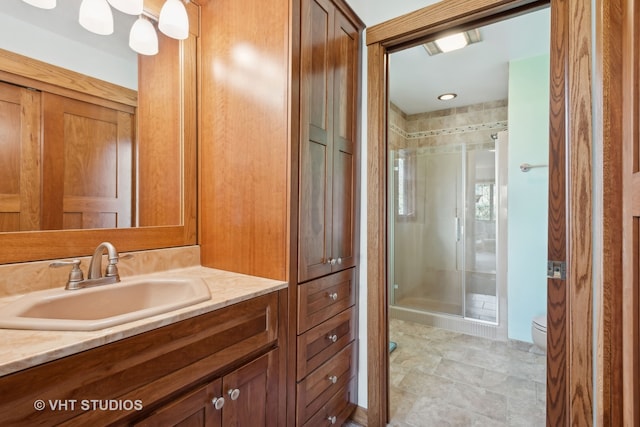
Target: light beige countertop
(21, 349)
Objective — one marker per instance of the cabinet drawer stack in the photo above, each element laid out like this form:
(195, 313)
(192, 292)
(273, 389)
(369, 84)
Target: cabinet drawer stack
(326, 365)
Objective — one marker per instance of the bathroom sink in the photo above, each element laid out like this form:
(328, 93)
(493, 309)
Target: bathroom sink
(102, 306)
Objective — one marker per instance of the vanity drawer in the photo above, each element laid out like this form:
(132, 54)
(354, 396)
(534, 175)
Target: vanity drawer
(323, 298)
(338, 408)
(318, 387)
(320, 343)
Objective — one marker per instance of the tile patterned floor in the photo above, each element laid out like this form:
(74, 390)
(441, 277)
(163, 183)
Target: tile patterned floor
(442, 378)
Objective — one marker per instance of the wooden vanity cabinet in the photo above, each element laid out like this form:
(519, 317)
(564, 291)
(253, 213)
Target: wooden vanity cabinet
(246, 396)
(173, 372)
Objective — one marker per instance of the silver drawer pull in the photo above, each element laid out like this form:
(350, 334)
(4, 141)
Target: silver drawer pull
(332, 338)
(218, 402)
(333, 379)
(234, 394)
(333, 419)
(333, 296)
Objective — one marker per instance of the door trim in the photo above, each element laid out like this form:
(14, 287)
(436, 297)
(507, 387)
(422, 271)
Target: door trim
(569, 356)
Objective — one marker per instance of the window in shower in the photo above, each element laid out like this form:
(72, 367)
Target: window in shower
(485, 202)
(405, 183)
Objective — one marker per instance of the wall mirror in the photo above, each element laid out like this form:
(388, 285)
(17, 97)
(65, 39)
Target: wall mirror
(106, 148)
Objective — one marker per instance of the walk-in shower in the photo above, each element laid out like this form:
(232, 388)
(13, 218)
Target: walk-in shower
(447, 217)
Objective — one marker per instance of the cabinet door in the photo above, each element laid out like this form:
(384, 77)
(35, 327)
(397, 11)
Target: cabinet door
(251, 394)
(345, 104)
(328, 107)
(316, 139)
(192, 410)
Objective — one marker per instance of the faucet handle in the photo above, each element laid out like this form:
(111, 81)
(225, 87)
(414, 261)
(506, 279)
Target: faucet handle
(75, 275)
(112, 268)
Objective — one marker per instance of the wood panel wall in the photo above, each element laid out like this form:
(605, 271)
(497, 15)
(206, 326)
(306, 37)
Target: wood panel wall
(245, 133)
(608, 96)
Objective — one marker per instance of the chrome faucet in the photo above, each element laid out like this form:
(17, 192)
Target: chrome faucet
(95, 277)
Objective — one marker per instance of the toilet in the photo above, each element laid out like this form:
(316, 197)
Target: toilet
(539, 332)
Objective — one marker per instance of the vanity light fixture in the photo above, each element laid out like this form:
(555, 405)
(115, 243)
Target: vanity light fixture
(96, 16)
(42, 4)
(143, 37)
(452, 42)
(447, 96)
(174, 21)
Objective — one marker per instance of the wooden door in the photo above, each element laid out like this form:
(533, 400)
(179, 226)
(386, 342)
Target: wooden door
(19, 158)
(631, 211)
(250, 394)
(194, 409)
(345, 105)
(316, 141)
(86, 185)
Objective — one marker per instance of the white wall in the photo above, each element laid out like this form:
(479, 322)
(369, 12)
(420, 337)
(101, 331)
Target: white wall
(46, 46)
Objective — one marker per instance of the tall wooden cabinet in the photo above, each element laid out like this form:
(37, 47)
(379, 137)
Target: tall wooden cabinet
(279, 185)
(329, 45)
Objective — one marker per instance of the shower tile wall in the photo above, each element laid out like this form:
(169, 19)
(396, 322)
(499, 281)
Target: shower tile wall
(437, 130)
(459, 125)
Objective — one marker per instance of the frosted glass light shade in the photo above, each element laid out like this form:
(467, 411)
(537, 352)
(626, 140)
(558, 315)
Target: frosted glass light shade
(42, 4)
(143, 37)
(96, 16)
(130, 7)
(174, 21)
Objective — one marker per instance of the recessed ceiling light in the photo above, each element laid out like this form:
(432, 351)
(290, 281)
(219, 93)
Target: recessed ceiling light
(452, 42)
(447, 96)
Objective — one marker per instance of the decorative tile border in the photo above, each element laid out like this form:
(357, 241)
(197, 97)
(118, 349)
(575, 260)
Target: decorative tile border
(497, 126)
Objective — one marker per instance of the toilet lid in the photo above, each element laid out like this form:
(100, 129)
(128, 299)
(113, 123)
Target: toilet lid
(540, 322)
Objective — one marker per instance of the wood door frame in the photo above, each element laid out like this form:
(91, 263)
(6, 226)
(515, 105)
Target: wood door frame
(569, 356)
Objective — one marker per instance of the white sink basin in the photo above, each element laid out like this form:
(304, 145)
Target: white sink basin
(102, 306)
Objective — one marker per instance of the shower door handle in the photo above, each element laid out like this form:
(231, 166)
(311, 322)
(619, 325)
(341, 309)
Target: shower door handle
(458, 230)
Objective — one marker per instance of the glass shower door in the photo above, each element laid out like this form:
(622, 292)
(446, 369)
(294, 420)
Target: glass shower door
(480, 237)
(442, 229)
(428, 219)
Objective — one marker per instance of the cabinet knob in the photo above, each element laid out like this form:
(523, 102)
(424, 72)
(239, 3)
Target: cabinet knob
(333, 261)
(332, 419)
(332, 338)
(333, 379)
(218, 402)
(333, 296)
(234, 393)
(339, 260)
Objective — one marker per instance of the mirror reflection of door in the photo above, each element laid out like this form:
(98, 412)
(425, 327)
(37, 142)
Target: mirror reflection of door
(86, 184)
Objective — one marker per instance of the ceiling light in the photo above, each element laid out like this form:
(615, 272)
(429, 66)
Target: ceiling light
(96, 16)
(143, 37)
(452, 42)
(42, 4)
(447, 96)
(130, 7)
(174, 21)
